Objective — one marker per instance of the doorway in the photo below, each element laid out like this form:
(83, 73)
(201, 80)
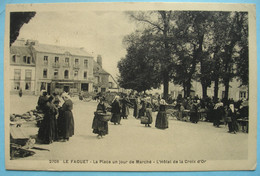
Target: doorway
(66, 89)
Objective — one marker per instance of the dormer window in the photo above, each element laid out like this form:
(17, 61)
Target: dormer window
(14, 58)
(27, 59)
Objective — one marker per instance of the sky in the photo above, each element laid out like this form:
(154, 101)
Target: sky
(98, 32)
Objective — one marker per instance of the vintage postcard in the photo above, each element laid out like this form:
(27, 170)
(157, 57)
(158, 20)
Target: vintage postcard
(130, 87)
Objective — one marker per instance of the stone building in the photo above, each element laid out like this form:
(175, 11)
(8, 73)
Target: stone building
(22, 69)
(52, 68)
(236, 91)
(63, 69)
(101, 83)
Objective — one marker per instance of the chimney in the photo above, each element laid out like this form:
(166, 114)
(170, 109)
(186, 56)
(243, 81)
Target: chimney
(31, 42)
(99, 60)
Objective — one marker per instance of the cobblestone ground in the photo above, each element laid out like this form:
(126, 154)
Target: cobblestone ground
(131, 140)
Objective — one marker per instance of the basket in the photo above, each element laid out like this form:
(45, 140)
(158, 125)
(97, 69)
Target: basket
(144, 120)
(104, 117)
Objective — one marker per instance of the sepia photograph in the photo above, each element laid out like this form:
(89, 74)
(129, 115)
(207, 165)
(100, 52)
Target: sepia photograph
(130, 87)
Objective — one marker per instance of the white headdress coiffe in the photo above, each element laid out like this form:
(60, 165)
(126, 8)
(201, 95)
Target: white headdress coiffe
(163, 102)
(116, 98)
(65, 95)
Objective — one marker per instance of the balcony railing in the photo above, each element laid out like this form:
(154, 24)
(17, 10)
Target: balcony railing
(66, 65)
(56, 65)
(17, 78)
(76, 66)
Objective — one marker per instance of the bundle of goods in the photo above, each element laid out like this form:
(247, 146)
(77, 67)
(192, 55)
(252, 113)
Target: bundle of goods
(20, 143)
(30, 116)
(104, 116)
(144, 120)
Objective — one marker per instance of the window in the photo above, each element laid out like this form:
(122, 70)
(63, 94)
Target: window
(45, 72)
(24, 59)
(43, 86)
(14, 58)
(66, 74)
(17, 74)
(76, 61)
(67, 61)
(97, 79)
(28, 60)
(56, 73)
(242, 94)
(45, 60)
(85, 75)
(86, 63)
(76, 73)
(16, 85)
(56, 59)
(27, 85)
(28, 74)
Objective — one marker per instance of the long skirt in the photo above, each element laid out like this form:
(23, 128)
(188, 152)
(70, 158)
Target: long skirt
(48, 129)
(125, 111)
(161, 120)
(194, 118)
(149, 115)
(136, 111)
(66, 124)
(99, 127)
(180, 115)
(116, 118)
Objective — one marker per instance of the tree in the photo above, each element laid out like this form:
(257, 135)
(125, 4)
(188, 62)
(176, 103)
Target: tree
(238, 22)
(190, 32)
(159, 24)
(138, 70)
(241, 60)
(17, 20)
(218, 39)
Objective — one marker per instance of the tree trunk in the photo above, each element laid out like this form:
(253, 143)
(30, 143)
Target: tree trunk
(216, 89)
(184, 90)
(204, 90)
(165, 86)
(226, 84)
(188, 88)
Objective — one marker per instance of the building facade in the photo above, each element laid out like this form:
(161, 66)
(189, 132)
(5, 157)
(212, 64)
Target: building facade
(53, 68)
(101, 77)
(62, 69)
(236, 91)
(22, 70)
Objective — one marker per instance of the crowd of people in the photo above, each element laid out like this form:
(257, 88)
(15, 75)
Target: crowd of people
(58, 121)
(218, 112)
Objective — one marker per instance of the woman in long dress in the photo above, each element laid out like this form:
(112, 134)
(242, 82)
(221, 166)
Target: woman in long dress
(148, 112)
(116, 111)
(231, 119)
(48, 129)
(100, 127)
(125, 107)
(66, 119)
(194, 112)
(162, 119)
(141, 111)
(136, 107)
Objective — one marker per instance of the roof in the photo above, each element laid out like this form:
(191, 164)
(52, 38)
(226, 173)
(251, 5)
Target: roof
(20, 50)
(61, 50)
(98, 69)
